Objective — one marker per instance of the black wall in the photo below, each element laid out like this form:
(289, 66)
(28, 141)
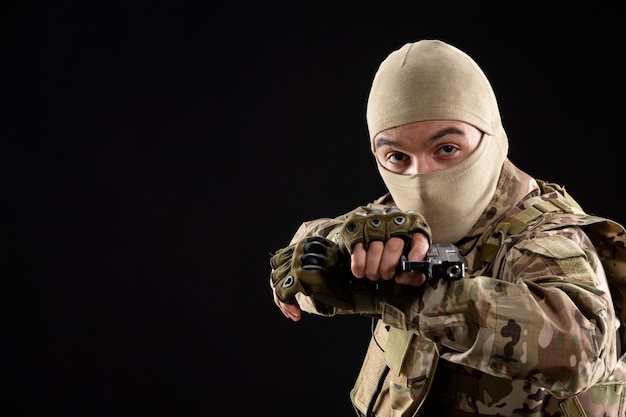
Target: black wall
(153, 154)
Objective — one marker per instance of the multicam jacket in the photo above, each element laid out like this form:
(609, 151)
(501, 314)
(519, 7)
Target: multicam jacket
(530, 331)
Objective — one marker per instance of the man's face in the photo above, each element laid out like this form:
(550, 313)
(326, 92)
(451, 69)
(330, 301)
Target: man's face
(423, 147)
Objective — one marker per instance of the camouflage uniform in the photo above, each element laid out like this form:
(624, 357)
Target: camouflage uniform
(531, 327)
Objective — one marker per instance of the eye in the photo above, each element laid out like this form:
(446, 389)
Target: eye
(447, 150)
(397, 157)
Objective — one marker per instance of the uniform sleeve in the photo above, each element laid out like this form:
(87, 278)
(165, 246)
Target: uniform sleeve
(547, 317)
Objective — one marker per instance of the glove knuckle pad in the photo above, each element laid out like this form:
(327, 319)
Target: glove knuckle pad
(309, 266)
(368, 225)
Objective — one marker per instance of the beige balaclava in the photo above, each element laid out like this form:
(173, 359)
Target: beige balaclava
(431, 80)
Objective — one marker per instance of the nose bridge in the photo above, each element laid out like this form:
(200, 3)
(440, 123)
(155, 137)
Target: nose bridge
(421, 164)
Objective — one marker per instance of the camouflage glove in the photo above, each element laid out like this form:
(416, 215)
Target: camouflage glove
(315, 267)
(368, 225)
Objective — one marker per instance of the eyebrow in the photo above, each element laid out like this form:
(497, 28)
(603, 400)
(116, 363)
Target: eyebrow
(383, 141)
(380, 142)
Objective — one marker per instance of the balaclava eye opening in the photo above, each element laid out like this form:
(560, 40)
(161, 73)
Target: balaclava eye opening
(431, 80)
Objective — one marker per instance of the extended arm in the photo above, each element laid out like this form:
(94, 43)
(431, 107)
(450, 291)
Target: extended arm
(548, 318)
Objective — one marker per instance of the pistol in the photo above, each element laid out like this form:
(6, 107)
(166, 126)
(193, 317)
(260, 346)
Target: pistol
(443, 261)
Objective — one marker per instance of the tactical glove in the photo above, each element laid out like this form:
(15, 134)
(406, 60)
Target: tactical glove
(315, 267)
(367, 225)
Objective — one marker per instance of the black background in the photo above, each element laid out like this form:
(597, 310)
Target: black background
(155, 153)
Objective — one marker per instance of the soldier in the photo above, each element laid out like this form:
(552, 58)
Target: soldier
(526, 326)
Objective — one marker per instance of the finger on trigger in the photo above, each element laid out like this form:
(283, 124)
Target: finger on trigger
(419, 247)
